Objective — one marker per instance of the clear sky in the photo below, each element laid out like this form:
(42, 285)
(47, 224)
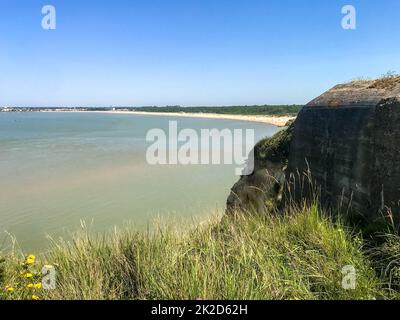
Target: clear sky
(190, 52)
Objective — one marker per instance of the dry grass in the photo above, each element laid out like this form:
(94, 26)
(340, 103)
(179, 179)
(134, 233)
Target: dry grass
(299, 255)
(387, 81)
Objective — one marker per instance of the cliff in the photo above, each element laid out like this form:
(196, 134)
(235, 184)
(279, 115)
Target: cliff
(347, 143)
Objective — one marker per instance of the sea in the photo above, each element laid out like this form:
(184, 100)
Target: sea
(62, 170)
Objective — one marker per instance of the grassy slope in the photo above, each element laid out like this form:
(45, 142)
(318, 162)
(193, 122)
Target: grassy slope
(296, 256)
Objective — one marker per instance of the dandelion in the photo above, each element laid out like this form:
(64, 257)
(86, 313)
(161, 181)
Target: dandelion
(30, 259)
(35, 297)
(9, 289)
(30, 285)
(28, 275)
(38, 285)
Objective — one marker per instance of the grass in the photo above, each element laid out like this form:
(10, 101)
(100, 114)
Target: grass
(298, 255)
(387, 81)
(275, 148)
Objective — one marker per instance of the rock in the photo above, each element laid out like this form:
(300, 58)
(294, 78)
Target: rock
(262, 189)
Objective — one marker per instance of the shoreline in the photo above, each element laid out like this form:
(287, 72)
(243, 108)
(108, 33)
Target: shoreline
(279, 121)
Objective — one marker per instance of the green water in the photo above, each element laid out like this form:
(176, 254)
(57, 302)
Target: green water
(57, 169)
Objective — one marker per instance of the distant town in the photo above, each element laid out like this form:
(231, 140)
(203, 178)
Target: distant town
(273, 110)
(59, 109)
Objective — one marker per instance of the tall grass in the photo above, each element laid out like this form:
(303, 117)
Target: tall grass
(298, 255)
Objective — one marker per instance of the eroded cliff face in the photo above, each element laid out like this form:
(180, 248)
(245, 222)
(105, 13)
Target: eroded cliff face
(348, 139)
(262, 189)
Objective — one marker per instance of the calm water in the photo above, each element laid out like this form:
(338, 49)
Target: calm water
(57, 169)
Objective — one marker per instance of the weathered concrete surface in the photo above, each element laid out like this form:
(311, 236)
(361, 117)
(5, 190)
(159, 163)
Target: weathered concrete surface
(349, 140)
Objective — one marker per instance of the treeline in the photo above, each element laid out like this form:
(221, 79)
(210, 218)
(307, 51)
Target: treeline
(273, 110)
(278, 110)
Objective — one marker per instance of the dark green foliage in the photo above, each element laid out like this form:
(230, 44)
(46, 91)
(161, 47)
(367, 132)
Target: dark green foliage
(2, 276)
(279, 110)
(276, 148)
(384, 252)
(2, 261)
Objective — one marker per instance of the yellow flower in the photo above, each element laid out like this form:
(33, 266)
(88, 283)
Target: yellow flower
(35, 297)
(29, 275)
(30, 285)
(38, 285)
(30, 259)
(9, 289)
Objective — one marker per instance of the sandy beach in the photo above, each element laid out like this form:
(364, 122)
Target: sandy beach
(279, 121)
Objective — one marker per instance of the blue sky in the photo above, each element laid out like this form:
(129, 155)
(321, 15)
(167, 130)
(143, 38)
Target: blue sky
(190, 52)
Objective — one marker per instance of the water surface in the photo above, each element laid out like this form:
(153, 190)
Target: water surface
(57, 169)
